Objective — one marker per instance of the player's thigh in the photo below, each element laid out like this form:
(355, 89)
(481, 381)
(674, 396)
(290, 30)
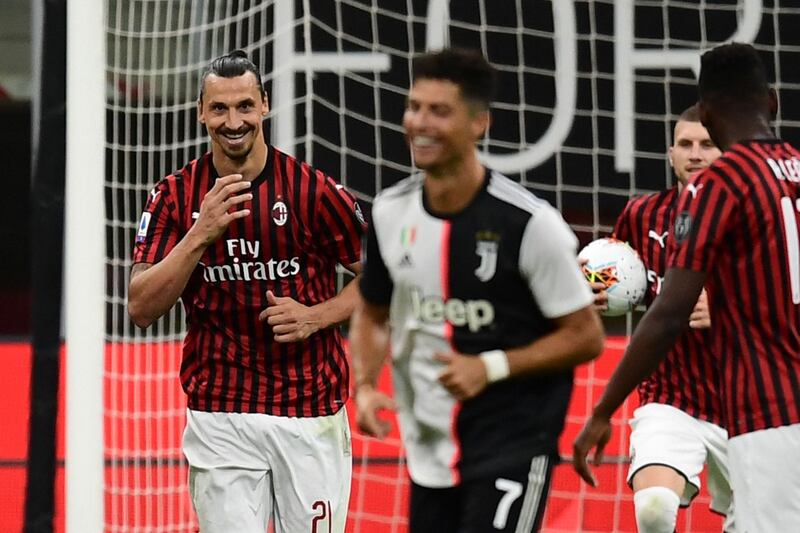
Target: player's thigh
(717, 473)
(230, 499)
(765, 477)
(312, 468)
(228, 474)
(512, 502)
(666, 436)
(224, 440)
(434, 510)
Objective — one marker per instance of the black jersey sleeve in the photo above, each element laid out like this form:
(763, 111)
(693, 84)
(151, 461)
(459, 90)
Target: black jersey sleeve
(376, 283)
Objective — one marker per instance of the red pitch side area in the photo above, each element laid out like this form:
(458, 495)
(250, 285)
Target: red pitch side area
(379, 498)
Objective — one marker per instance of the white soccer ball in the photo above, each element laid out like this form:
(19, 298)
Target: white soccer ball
(618, 266)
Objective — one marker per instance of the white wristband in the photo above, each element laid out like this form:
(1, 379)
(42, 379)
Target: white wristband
(496, 362)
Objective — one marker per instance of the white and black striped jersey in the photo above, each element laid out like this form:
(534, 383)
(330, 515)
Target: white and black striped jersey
(489, 277)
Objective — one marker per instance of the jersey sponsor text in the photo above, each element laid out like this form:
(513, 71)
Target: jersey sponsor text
(475, 314)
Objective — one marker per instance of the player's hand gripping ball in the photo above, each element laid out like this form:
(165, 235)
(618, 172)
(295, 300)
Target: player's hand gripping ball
(617, 266)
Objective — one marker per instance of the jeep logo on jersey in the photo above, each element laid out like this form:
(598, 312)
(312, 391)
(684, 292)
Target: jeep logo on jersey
(474, 314)
(280, 213)
(487, 251)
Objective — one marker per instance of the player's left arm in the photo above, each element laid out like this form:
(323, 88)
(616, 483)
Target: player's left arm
(292, 321)
(652, 339)
(370, 337)
(576, 339)
(340, 227)
(369, 346)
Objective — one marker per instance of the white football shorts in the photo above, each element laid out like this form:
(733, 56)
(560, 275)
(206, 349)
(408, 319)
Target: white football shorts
(665, 435)
(765, 476)
(246, 468)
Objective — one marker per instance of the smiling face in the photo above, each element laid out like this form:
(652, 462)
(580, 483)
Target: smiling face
(692, 150)
(232, 110)
(441, 126)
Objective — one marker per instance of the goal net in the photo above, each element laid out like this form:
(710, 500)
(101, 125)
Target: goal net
(588, 92)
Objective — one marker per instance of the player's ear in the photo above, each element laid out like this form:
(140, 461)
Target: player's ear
(265, 105)
(669, 156)
(200, 118)
(772, 97)
(481, 123)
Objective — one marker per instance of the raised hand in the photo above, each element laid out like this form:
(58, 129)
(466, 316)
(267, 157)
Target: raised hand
(220, 207)
(291, 321)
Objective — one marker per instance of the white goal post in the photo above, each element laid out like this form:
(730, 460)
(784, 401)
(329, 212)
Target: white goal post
(588, 92)
(85, 260)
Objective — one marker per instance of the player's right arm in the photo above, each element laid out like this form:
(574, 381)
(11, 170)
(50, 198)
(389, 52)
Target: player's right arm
(155, 287)
(369, 337)
(369, 344)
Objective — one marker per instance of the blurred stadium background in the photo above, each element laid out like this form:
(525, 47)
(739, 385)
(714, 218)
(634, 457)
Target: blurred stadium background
(588, 93)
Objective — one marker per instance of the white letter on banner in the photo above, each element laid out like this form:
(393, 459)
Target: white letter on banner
(627, 59)
(566, 59)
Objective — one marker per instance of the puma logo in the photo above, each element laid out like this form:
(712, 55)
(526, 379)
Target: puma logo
(694, 189)
(660, 238)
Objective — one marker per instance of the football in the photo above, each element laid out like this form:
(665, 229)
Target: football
(615, 264)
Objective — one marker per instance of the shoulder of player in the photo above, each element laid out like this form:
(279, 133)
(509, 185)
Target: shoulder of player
(187, 173)
(729, 171)
(399, 192)
(736, 165)
(515, 195)
(308, 172)
(169, 185)
(316, 180)
(650, 199)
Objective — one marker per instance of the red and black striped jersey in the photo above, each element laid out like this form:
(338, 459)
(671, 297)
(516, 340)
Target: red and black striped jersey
(302, 223)
(738, 221)
(688, 377)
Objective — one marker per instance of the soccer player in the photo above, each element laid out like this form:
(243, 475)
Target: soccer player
(249, 237)
(736, 231)
(489, 315)
(677, 428)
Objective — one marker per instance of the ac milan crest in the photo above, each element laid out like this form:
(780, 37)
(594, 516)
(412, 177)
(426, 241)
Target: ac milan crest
(280, 213)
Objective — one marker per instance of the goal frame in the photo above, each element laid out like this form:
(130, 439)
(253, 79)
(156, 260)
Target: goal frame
(84, 258)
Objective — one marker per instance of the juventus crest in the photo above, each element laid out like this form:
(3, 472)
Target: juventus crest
(487, 251)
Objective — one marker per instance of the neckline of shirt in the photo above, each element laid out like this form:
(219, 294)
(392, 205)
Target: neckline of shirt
(487, 176)
(262, 176)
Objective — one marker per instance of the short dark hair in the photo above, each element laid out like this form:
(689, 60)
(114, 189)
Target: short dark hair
(690, 114)
(232, 65)
(733, 74)
(464, 67)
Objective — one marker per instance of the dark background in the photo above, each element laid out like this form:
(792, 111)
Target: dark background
(356, 116)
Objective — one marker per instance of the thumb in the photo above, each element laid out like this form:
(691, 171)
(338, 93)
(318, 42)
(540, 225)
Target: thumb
(271, 300)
